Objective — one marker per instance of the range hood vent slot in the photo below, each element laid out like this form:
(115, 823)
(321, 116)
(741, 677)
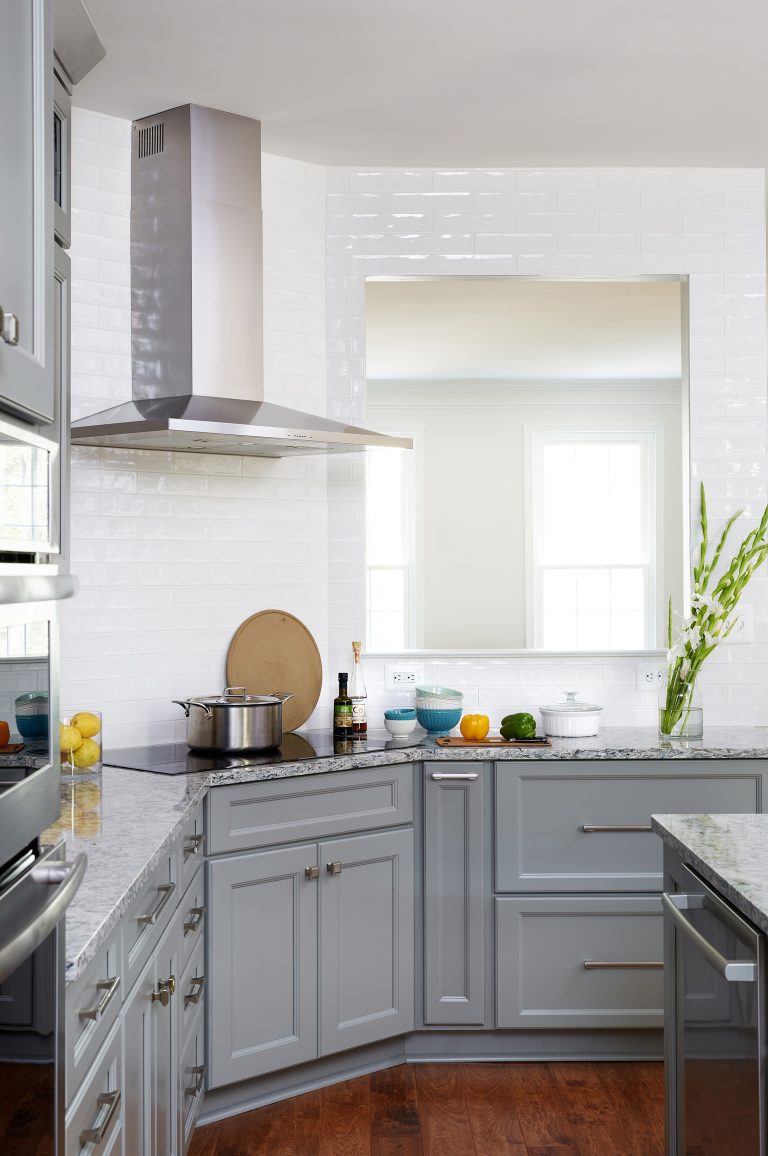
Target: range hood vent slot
(151, 140)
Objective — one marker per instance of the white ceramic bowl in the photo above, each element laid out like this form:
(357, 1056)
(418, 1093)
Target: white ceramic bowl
(571, 720)
(400, 728)
(439, 703)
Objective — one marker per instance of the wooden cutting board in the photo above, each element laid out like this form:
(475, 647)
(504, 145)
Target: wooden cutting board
(274, 651)
(498, 741)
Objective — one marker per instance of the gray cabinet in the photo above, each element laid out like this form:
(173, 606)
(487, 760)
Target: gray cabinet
(26, 211)
(365, 950)
(454, 893)
(325, 926)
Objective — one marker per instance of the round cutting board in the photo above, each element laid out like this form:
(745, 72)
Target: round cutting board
(273, 651)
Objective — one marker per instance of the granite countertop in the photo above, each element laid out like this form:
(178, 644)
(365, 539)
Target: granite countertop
(126, 820)
(728, 851)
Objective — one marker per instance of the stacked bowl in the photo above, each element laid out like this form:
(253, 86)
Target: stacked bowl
(438, 708)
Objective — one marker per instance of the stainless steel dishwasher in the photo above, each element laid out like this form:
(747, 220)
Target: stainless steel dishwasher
(714, 1023)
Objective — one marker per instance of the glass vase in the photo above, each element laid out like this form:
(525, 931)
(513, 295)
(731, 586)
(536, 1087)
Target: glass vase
(681, 716)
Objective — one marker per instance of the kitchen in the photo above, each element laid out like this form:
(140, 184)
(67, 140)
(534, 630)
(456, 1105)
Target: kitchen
(174, 550)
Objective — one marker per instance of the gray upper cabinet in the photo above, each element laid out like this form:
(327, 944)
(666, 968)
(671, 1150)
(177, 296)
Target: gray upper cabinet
(454, 893)
(366, 944)
(27, 387)
(586, 827)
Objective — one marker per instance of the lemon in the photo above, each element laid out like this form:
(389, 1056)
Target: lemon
(87, 754)
(86, 723)
(69, 738)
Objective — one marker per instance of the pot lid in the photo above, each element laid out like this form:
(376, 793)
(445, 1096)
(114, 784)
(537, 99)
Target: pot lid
(570, 706)
(238, 696)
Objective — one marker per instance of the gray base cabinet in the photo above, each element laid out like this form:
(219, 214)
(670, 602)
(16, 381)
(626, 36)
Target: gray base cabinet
(311, 951)
(454, 893)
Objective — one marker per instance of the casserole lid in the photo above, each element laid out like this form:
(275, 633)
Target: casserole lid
(570, 706)
(238, 696)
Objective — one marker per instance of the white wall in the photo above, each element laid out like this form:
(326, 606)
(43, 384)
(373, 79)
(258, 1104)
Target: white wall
(174, 550)
(706, 223)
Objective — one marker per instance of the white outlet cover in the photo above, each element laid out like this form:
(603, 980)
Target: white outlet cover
(651, 675)
(744, 631)
(393, 668)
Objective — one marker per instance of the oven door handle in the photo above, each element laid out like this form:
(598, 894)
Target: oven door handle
(63, 879)
(734, 970)
(37, 588)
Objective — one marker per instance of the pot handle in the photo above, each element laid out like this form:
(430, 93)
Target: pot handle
(187, 703)
(234, 692)
(281, 695)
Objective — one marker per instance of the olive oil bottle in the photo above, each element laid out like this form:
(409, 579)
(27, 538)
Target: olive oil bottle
(358, 694)
(342, 711)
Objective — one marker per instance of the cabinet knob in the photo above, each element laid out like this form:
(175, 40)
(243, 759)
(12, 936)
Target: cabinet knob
(9, 327)
(334, 868)
(312, 872)
(165, 989)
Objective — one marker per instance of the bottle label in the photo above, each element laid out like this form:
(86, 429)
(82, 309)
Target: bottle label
(358, 712)
(342, 716)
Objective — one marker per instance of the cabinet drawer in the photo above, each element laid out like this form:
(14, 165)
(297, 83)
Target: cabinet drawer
(191, 989)
(192, 1075)
(98, 1109)
(192, 909)
(542, 946)
(148, 916)
(192, 849)
(92, 1006)
(541, 815)
(252, 815)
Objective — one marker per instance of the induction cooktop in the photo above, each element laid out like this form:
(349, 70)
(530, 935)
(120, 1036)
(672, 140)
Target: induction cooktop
(178, 759)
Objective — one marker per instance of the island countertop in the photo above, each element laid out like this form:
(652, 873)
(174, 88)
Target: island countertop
(126, 820)
(729, 851)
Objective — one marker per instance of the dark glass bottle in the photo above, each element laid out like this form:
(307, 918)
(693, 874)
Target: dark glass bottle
(342, 711)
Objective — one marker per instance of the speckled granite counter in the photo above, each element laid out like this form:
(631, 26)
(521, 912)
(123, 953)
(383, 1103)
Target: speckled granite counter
(729, 851)
(126, 820)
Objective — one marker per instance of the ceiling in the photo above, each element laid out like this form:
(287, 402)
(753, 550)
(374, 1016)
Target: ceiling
(453, 82)
(514, 329)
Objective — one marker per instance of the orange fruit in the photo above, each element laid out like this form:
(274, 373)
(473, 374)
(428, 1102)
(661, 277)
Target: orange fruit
(5, 734)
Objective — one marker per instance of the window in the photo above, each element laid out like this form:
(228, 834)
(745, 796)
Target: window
(590, 579)
(388, 548)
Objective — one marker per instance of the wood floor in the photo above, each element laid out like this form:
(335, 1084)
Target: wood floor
(562, 1109)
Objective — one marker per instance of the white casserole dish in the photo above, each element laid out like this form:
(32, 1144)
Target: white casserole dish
(571, 719)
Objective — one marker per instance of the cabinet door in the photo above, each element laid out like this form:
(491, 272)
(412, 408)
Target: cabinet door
(262, 1001)
(366, 967)
(150, 1053)
(454, 899)
(26, 210)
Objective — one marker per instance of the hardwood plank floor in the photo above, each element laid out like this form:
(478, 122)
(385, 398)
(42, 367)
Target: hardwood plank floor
(562, 1109)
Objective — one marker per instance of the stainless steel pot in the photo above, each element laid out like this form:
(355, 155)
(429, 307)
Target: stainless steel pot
(234, 721)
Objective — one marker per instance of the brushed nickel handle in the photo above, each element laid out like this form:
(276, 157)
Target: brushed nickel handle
(166, 891)
(9, 327)
(732, 970)
(107, 987)
(235, 692)
(198, 914)
(98, 1130)
(601, 828)
(198, 983)
(470, 777)
(165, 989)
(312, 872)
(334, 868)
(199, 1073)
(192, 846)
(621, 965)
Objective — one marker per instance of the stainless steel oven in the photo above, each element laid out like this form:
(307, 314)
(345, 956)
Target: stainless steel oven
(715, 1025)
(30, 495)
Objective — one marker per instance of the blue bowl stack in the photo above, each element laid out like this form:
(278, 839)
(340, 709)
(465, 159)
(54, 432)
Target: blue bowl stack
(438, 708)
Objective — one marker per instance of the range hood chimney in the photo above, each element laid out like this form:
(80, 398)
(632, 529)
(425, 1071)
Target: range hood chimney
(196, 302)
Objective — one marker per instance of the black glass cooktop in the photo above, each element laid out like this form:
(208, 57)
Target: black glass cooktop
(178, 759)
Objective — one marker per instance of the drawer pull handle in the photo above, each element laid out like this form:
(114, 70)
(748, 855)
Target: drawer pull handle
(621, 965)
(601, 828)
(469, 777)
(199, 1074)
(312, 872)
(9, 327)
(165, 989)
(334, 868)
(95, 1134)
(198, 914)
(166, 891)
(197, 988)
(192, 846)
(107, 987)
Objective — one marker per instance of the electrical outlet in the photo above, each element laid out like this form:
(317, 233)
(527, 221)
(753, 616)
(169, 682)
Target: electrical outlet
(650, 675)
(744, 631)
(402, 676)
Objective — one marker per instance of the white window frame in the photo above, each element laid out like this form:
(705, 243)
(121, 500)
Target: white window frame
(536, 437)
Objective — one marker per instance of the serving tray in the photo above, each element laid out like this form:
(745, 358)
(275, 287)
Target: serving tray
(450, 741)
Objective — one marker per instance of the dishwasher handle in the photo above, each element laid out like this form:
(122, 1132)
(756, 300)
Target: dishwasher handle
(733, 970)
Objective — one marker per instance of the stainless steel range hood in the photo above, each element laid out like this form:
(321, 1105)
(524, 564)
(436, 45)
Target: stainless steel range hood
(196, 302)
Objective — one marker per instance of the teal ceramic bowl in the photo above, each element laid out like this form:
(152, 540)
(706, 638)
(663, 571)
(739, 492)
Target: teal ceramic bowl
(438, 722)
